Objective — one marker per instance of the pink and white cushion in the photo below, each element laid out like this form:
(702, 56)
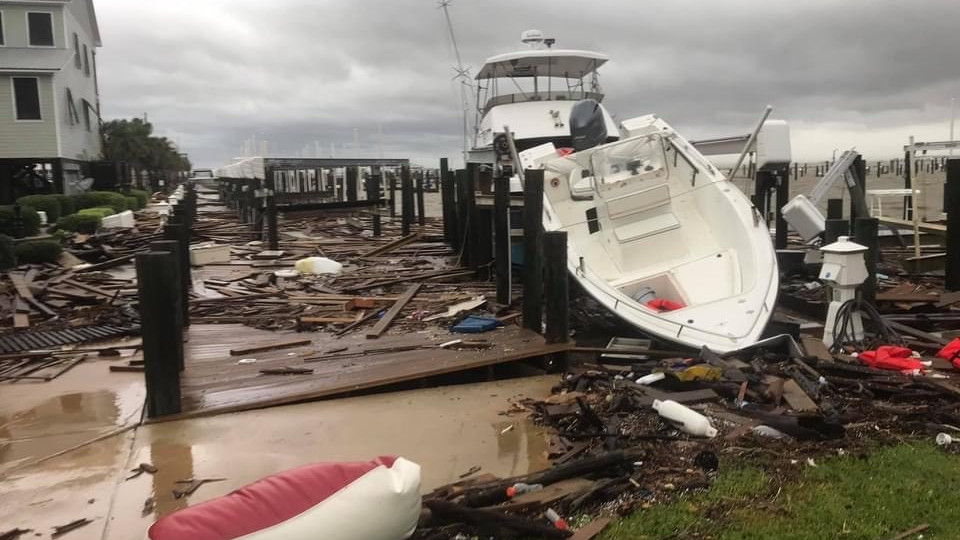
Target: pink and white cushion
(374, 500)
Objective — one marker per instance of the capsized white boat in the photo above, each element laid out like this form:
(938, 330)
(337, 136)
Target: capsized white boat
(659, 236)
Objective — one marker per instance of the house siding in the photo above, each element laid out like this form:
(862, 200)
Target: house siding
(75, 141)
(15, 24)
(27, 139)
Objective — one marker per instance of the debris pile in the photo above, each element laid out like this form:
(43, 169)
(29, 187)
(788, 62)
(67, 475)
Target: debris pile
(636, 427)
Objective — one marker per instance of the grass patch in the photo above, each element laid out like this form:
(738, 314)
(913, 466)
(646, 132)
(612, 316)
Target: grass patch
(878, 496)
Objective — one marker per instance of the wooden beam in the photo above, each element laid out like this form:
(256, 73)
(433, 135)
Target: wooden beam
(393, 312)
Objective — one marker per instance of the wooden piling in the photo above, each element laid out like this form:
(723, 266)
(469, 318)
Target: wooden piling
(483, 246)
(447, 199)
(173, 247)
(860, 169)
(470, 201)
(501, 241)
(162, 335)
(951, 195)
(907, 184)
(782, 178)
(373, 195)
(406, 189)
(460, 211)
(834, 229)
(421, 208)
(351, 179)
(271, 221)
(176, 231)
(532, 253)
(835, 209)
(556, 286)
(392, 188)
(865, 233)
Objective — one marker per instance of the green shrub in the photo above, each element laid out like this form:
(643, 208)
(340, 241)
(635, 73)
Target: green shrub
(8, 258)
(81, 223)
(67, 205)
(133, 203)
(45, 203)
(31, 220)
(143, 197)
(93, 199)
(99, 211)
(38, 251)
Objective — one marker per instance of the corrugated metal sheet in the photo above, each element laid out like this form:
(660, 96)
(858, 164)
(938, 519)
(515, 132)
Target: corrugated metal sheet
(16, 59)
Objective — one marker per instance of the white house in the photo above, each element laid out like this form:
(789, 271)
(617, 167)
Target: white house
(49, 100)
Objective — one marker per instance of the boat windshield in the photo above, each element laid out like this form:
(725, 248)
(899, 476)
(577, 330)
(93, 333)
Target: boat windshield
(635, 157)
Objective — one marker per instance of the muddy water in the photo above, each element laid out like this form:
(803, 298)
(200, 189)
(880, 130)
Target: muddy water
(447, 430)
(39, 419)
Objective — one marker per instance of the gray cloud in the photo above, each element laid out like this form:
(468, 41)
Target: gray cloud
(211, 73)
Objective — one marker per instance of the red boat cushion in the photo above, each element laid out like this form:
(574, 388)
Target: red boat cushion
(372, 500)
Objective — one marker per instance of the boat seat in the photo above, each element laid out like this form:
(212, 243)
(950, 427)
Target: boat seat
(643, 228)
(642, 200)
(642, 213)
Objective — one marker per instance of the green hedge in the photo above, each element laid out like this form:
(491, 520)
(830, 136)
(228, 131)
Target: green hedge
(99, 211)
(143, 197)
(92, 199)
(81, 223)
(68, 205)
(45, 203)
(31, 220)
(38, 251)
(8, 258)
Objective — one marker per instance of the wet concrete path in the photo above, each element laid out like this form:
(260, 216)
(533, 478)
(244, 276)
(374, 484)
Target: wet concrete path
(447, 430)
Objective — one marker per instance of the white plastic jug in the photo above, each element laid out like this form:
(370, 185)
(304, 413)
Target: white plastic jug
(686, 419)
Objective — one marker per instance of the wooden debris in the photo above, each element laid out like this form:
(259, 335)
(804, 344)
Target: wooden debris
(270, 347)
(393, 312)
(286, 370)
(61, 530)
(191, 485)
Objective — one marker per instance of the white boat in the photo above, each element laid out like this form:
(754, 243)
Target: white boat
(656, 233)
(533, 91)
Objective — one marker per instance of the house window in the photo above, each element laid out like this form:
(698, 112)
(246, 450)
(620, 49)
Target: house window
(86, 60)
(40, 29)
(26, 98)
(2, 39)
(76, 51)
(86, 114)
(72, 109)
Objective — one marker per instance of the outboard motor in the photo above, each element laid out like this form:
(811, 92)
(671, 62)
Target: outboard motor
(587, 125)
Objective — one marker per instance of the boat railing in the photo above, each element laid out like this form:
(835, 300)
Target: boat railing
(559, 95)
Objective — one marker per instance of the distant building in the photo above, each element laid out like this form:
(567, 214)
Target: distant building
(49, 100)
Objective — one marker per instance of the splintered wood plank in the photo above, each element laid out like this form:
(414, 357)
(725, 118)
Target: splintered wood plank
(796, 398)
(270, 347)
(20, 284)
(392, 313)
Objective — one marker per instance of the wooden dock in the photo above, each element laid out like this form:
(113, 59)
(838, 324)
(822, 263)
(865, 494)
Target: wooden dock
(215, 382)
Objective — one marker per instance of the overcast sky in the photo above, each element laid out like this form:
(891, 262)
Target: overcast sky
(302, 74)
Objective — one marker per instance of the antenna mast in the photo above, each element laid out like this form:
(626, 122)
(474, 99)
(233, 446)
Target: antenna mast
(463, 75)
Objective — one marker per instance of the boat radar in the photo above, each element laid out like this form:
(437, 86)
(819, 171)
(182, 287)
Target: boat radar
(535, 39)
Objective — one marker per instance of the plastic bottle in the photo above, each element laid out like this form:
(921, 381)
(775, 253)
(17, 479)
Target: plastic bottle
(520, 488)
(652, 378)
(557, 521)
(688, 420)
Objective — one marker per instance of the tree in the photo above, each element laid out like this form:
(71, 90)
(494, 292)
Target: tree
(132, 141)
